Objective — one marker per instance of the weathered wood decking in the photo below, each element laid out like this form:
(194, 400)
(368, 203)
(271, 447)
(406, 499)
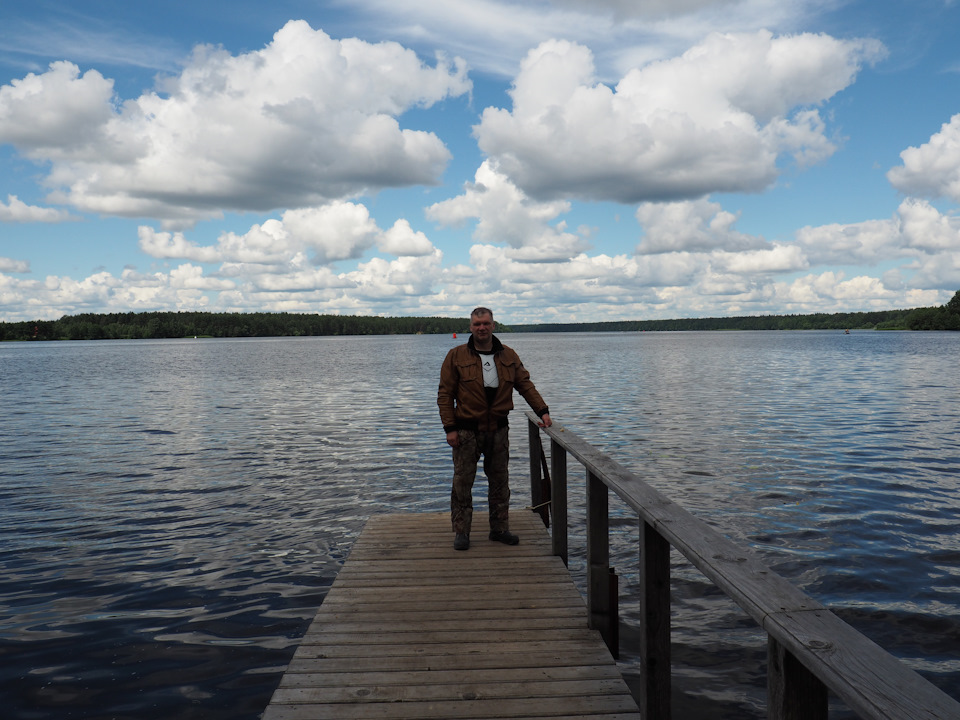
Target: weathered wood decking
(412, 628)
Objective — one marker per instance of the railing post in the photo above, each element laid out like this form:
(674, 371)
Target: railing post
(558, 495)
(601, 602)
(655, 624)
(793, 692)
(537, 494)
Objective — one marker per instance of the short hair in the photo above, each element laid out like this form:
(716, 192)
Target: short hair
(477, 312)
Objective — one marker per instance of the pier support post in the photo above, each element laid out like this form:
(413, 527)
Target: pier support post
(655, 624)
(558, 471)
(793, 692)
(601, 604)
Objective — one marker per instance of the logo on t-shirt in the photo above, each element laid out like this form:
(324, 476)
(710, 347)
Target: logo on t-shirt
(490, 378)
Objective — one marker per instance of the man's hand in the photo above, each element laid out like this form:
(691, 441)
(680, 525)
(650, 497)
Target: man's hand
(545, 420)
(453, 438)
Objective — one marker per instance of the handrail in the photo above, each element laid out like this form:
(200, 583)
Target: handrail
(810, 650)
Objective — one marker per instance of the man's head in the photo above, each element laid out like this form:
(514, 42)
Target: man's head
(481, 327)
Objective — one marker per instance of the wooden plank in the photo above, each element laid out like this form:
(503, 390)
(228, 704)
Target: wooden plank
(446, 605)
(458, 689)
(376, 624)
(414, 629)
(437, 650)
(465, 638)
(506, 598)
(454, 676)
(373, 613)
(601, 706)
(412, 657)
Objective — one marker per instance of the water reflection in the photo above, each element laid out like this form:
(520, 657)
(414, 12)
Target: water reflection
(172, 512)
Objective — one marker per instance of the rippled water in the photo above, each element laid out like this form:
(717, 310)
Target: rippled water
(172, 512)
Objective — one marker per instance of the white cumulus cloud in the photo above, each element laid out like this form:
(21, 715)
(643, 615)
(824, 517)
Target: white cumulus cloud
(832, 292)
(505, 214)
(336, 231)
(917, 230)
(59, 115)
(694, 225)
(403, 240)
(870, 242)
(9, 265)
(305, 120)
(926, 229)
(933, 169)
(388, 281)
(15, 210)
(717, 118)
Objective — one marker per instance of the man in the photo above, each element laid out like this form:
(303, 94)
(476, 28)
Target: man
(475, 395)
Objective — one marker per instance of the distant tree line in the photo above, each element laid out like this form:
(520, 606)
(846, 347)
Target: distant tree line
(128, 326)
(944, 317)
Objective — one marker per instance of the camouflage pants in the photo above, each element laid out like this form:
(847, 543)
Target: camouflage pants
(495, 448)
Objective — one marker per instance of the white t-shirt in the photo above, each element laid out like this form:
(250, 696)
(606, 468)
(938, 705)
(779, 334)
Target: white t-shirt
(490, 377)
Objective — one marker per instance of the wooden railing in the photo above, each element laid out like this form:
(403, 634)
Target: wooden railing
(810, 650)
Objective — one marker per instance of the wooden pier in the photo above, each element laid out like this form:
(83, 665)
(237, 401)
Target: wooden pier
(412, 628)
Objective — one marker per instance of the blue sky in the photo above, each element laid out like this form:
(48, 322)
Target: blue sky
(556, 160)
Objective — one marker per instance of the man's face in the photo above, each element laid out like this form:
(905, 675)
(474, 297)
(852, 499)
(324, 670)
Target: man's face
(482, 327)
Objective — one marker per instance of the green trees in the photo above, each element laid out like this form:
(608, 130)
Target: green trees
(886, 320)
(123, 326)
(954, 305)
(116, 326)
(946, 317)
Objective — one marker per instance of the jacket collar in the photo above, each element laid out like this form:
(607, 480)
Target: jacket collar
(497, 345)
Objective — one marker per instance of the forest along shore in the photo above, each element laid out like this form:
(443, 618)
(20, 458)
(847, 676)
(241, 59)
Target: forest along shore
(154, 325)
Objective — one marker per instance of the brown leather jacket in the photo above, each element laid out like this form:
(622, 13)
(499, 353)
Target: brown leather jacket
(462, 399)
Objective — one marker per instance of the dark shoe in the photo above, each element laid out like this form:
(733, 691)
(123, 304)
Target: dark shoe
(461, 542)
(504, 536)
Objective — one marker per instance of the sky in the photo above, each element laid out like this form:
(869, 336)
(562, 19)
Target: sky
(554, 160)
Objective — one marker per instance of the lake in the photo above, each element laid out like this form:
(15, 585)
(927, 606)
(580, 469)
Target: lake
(172, 512)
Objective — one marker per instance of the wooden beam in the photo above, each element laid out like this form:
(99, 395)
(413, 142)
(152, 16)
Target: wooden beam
(558, 471)
(654, 700)
(793, 692)
(601, 601)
